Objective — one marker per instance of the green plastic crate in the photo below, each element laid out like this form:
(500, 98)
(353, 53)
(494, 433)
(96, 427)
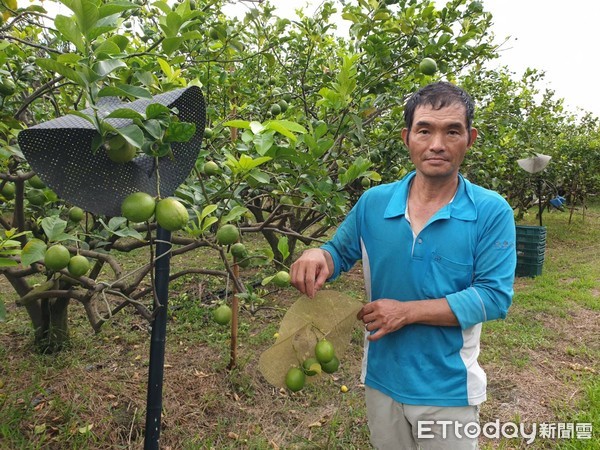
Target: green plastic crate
(529, 269)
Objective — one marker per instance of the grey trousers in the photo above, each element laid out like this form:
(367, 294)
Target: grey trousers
(398, 426)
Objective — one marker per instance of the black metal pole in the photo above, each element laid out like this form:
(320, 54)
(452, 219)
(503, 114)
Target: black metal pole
(157, 342)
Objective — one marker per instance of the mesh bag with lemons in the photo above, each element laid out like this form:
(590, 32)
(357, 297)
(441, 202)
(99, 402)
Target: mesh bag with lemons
(323, 324)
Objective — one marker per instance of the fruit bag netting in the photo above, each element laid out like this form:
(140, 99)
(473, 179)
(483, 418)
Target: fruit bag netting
(330, 314)
(59, 151)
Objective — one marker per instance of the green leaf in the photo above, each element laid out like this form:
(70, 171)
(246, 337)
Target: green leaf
(282, 246)
(120, 40)
(61, 69)
(84, 116)
(170, 44)
(125, 90)
(156, 111)
(235, 213)
(7, 262)
(115, 7)
(69, 58)
(2, 311)
(129, 232)
(257, 127)
(107, 48)
(207, 222)
(125, 113)
(263, 143)
(33, 251)
(86, 14)
(246, 162)
(180, 132)
(154, 128)
(53, 226)
(237, 123)
(260, 176)
(267, 280)
(207, 210)
(103, 68)
(68, 28)
(133, 134)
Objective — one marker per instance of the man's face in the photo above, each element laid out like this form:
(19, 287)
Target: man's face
(438, 140)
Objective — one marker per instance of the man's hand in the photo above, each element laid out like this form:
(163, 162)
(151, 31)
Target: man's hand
(311, 270)
(385, 316)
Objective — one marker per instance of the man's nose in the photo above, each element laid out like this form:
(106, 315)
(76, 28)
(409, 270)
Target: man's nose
(438, 142)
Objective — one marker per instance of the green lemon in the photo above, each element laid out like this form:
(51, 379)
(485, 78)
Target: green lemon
(138, 207)
(57, 257)
(211, 168)
(36, 182)
(331, 366)
(311, 366)
(283, 105)
(171, 214)
(119, 150)
(324, 351)
(275, 109)
(428, 66)
(76, 214)
(222, 315)
(36, 197)
(365, 182)
(8, 191)
(78, 265)
(228, 234)
(239, 250)
(295, 379)
(281, 279)
(7, 87)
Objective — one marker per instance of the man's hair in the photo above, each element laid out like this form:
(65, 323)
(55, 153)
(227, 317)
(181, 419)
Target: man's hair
(439, 95)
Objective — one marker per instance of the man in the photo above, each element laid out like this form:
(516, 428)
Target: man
(439, 259)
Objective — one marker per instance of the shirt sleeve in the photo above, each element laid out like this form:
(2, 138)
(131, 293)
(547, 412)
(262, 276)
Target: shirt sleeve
(345, 246)
(490, 295)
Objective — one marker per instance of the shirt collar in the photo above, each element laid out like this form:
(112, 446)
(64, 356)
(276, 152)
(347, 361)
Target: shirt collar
(462, 206)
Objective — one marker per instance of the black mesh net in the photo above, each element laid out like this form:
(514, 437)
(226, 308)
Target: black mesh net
(59, 151)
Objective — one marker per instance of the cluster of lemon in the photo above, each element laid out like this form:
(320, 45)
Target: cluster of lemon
(324, 360)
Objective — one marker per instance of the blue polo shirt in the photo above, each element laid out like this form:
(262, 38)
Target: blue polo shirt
(465, 253)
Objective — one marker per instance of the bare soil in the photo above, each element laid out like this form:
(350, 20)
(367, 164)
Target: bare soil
(101, 382)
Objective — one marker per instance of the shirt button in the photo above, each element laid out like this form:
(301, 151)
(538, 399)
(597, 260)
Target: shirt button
(420, 241)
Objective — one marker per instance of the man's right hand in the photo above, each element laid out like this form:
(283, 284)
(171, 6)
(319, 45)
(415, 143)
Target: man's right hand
(311, 270)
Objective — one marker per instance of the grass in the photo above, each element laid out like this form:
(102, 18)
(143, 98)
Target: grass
(542, 364)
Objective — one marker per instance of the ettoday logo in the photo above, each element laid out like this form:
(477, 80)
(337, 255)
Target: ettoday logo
(429, 429)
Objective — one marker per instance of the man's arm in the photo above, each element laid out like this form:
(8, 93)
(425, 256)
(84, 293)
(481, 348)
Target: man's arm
(385, 316)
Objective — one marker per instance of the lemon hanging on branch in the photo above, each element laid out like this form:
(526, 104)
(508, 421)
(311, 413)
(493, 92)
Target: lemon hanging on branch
(78, 265)
(228, 234)
(428, 66)
(119, 149)
(171, 214)
(222, 315)
(57, 257)
(138, 207)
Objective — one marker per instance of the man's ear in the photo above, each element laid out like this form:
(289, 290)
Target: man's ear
(405, 136)
(472, 136)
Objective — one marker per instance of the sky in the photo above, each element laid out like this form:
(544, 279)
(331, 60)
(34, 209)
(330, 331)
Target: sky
(558, 37)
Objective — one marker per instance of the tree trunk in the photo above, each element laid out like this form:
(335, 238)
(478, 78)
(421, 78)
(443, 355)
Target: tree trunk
(53, 333)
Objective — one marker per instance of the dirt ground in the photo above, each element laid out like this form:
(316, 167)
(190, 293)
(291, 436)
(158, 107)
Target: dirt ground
(107, 388)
